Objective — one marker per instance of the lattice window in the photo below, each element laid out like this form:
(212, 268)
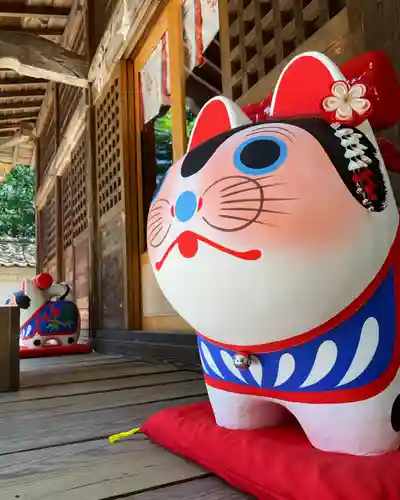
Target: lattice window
(109, 150)
(48, 229)
(74, 200)
(67, 214)
(47, 144)
(78, 187)
(68, 95)
(262, 33)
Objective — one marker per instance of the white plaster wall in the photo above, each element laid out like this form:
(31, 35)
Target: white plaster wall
(11, 278)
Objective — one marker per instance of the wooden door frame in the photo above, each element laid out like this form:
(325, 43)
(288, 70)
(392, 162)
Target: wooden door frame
(170, 17)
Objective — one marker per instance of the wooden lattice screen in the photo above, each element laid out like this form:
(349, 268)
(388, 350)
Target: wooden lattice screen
(67, 213)
(74, 199)
(68, 95)
(111, 131)
(262, 33)
(79, 199)
(48, 231)
(47, 144)
(109, 148)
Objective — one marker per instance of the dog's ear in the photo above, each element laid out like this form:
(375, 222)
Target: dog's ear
(23, 301)
(218, 115)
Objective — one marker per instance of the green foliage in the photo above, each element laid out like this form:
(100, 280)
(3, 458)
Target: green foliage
(17, 205)
(163, 132)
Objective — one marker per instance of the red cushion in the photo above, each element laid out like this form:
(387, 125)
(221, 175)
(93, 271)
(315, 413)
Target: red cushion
(61, 350)
(276, 463)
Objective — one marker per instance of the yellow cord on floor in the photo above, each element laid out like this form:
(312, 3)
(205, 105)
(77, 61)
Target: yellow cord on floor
(116, 437)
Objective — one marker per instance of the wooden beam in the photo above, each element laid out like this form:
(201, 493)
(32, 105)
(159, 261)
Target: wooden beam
(57, 122)
(16, 154)
(36, 57)
(18, 138)
(52, 31)
(116, 44)
(74, 19)
(26, 81)
(22, 94)
(18, 117)
(9, 128)
(32, 11)
(10, 106)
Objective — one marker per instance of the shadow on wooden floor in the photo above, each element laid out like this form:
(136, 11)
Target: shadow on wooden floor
(53, 433)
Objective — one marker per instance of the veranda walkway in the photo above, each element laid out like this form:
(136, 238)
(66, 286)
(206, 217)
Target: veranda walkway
(53, 433)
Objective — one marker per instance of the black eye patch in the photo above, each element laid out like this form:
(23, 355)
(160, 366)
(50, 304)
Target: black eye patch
(197, 158)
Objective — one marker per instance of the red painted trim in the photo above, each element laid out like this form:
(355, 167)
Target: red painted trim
(331, 323)
(33, 315)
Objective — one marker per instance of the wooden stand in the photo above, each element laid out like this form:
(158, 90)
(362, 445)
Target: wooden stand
(9, 349)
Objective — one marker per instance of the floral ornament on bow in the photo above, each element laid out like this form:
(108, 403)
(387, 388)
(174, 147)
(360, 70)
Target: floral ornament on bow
(347, 104)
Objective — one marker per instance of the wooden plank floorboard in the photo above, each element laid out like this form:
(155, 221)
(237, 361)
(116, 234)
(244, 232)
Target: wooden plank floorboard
(66, 390)
(20, 434)
(69, 375)
(91, 471)
(91, 359)
(44, 408)
(54, 433)
(207, 488)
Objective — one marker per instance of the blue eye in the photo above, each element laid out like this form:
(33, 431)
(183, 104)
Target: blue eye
(260, 155)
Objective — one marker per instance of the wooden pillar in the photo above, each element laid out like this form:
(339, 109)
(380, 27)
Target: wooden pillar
(59, 230)
(92, 211)
(37, 212)
(91, 188)
(57, 123)
(9, 349)
(133, 309)
(177, 79)
(224, 41)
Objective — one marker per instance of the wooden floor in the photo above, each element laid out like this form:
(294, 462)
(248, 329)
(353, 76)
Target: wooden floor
(53, 433)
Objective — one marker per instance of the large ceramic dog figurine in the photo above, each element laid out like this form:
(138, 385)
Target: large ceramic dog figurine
(278, 243)
(49, 315)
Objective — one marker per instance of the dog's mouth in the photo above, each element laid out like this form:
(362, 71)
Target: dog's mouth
(188, 245)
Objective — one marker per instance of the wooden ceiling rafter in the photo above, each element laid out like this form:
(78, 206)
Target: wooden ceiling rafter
(19, 9)
(15, 95)
(35, 30)
(22, 95)
(18, 117)
(22, 81)
(12, 106)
